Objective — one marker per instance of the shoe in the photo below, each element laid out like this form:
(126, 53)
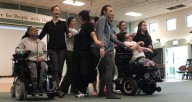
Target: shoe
(112, 96)
(94, 93)
(101, 94)
(81, 95)
(61, 94)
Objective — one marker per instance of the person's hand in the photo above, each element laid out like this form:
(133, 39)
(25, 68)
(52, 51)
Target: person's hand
(39, 59)
(25, 50)
(149, 50)
(69, 35)
(99, 43)
(102, 52)
(141, 43)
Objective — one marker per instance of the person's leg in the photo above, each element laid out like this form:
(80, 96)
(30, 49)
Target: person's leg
(54, 61)
(43, 72)
(106, 78)
(61, 59)
(67, 78)
(33, 73)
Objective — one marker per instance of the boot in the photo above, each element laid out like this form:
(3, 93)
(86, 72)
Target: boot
(112, 96)
(34, 83)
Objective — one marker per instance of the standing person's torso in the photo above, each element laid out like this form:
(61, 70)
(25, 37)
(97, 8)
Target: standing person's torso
(70, 41)
(83, 40)
(106, 33)
(57, 32)
(144, 38)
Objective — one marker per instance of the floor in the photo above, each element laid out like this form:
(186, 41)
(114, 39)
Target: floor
(172, 91)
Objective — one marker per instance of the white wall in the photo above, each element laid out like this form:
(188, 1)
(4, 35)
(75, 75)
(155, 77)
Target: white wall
(9, 39)
(181, 30)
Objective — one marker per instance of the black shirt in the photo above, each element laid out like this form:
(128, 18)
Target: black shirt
(83, 40)
(143, 37)
(121, 37)
(57, 32)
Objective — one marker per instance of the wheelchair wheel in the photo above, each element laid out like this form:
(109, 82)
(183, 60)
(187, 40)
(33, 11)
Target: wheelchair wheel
(20, 92)
(12, 91)
(51, 95)
(129, 87)
(152, 88)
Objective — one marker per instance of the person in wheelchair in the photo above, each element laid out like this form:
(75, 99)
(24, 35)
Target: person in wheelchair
(139, 56)
(36, 58)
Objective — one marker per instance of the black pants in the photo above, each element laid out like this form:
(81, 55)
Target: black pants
(57, 57)
(67, 80)
(105, 70)
(82, 67)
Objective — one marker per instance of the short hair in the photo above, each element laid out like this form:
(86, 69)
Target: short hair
(52, 8)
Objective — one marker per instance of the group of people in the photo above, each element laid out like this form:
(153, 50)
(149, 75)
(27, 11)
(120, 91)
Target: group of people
(85, 51)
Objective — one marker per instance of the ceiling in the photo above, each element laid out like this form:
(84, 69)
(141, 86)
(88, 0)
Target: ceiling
(148, 8)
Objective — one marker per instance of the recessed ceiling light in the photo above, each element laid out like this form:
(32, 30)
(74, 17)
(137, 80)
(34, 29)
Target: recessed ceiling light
(73, 2)
(133, 14)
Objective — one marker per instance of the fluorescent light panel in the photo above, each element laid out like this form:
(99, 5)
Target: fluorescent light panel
(71, 2)
(133, 14)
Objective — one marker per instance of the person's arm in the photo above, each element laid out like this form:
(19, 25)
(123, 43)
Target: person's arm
(44, 52)
(100, 30)
(44, 31)
(68, 34)
(114, 40)
(20, 47)
(97, 42)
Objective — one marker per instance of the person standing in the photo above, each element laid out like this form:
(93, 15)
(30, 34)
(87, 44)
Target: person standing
(105, 35)
(142, 35)
(57, 50)
(82, 55)
(67, 80)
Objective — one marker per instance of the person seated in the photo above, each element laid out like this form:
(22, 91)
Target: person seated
(36, 57)
(139, 55)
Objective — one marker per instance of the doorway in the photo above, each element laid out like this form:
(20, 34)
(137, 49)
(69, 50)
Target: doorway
(174, 58)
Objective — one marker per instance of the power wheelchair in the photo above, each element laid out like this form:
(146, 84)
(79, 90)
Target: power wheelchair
(22, 84)
(134, 78)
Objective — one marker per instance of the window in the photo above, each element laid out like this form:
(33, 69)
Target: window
(189, 21)
(171, 24)
(152, 27)
(135, 30)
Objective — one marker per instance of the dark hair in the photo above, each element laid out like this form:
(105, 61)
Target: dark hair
(104, 8)
(119, 24)
(96, 19)
(85, 15)
(146, 32)
(69, 20)
(52, 8)
(27, 32)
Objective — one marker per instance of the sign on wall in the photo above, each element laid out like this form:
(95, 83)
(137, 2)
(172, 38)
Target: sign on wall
(23, 15)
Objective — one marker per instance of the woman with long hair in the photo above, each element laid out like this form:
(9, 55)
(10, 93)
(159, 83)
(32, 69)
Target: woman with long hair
(105, 33)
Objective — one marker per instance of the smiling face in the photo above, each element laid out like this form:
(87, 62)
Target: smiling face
(56, 11)
(32, 31)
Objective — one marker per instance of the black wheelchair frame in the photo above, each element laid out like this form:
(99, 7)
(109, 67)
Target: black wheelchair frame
(22, 84)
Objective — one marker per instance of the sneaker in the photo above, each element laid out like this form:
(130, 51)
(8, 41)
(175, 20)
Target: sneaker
(81, 95)
(94, 93)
